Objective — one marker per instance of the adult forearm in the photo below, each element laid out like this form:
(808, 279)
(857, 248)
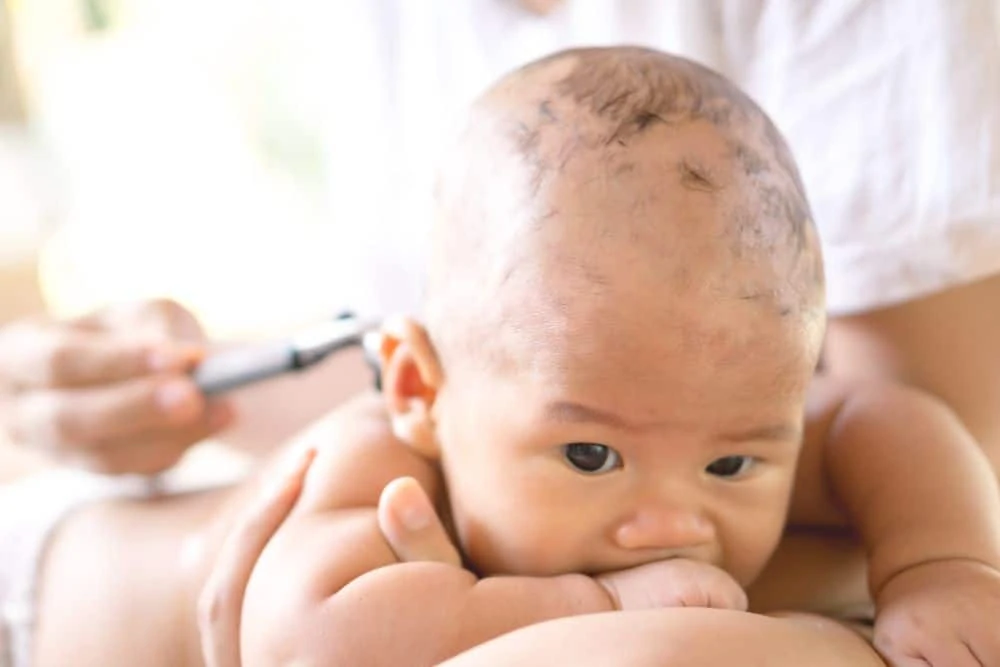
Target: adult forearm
(913, 481)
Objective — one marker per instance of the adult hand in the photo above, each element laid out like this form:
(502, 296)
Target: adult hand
(221, 600)
(676, 582)
(109, 391)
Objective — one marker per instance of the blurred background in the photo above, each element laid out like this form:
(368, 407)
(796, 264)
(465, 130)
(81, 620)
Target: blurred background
(171, 148)
(137, 132)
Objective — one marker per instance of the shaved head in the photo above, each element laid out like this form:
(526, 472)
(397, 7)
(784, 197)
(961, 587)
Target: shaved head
(623, 263)
(618, 187)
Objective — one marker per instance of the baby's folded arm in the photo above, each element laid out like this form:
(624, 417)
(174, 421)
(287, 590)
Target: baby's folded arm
(322, 592)
(332, 534)
(422, 613)
(899, 469)
(913, 482)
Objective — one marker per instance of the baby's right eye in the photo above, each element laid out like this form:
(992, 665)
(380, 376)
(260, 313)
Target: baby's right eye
(591, 458)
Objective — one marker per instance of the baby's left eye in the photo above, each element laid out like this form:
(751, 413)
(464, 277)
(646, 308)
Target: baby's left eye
(730, 466)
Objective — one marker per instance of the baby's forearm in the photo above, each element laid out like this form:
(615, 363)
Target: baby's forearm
(914, 483)
(423, 613)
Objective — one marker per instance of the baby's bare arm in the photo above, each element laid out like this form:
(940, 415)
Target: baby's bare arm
(328, 589)
(914, 482)
(925, 502)
(900, 470)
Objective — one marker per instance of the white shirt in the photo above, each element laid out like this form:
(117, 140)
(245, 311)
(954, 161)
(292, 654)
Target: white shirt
(892, 108)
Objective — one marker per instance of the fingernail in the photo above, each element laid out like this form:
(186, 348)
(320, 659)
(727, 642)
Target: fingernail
(414, 512)
(163, 360)
(173, 395)
(173, 358)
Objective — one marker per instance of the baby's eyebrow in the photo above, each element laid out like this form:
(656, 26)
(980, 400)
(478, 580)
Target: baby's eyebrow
(570, 411)
(782, 432)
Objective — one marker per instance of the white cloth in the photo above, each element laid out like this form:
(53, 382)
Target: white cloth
(892, 108)
(33, 507)
(30, 511)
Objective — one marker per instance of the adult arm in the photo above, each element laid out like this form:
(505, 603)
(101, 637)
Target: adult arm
(111, 391)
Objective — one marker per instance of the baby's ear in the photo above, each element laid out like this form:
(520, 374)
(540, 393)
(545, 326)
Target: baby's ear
(411, 377)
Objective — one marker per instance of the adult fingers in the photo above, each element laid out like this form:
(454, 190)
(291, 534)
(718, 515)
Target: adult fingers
(35, 355)
(149, 452)
(158, 319)
(62, 419)
(221, 600)
(410, 525)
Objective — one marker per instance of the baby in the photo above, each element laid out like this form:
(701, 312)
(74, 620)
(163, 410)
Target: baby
(612, 405)
(612, 408)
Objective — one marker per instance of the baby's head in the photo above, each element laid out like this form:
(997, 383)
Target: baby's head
(625, 307)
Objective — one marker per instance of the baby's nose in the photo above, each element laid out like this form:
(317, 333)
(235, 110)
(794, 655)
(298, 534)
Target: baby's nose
(667, 528)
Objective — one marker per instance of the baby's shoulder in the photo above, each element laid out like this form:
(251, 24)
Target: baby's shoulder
(357, 454)
(833, 403)
(825, 398)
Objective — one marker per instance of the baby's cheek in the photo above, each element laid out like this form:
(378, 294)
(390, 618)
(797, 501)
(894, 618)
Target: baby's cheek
(751, 546)
(518, 541)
